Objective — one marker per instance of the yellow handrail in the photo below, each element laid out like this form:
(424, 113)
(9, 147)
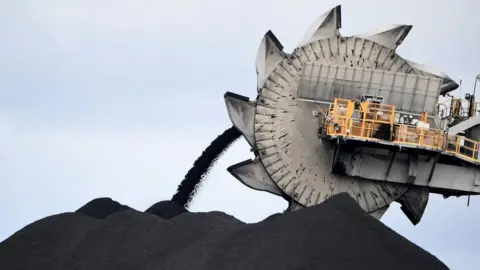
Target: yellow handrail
(457, 107)
(366, 123)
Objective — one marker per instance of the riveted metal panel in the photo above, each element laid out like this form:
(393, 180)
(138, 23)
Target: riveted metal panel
(408, 92)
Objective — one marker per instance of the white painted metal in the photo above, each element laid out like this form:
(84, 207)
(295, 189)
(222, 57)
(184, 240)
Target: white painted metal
(420, 69)
(444, 177)
(326, 26)
(286, 136)
(464, 125)
(269, 54)
(241, 114)
(253, 174)
(390, 37)
(408, 92)
(284, 128)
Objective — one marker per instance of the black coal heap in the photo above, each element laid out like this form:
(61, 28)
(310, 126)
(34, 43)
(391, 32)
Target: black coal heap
(104, 234)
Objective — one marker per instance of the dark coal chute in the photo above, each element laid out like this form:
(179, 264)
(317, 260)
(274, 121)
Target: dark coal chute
(190, 184)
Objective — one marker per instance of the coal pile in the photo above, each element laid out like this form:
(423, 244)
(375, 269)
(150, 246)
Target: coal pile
(336, 234)
(102, 208)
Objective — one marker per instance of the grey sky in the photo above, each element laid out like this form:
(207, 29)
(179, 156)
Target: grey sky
(117, 98)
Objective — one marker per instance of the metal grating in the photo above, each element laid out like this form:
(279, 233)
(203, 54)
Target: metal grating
(408, 92)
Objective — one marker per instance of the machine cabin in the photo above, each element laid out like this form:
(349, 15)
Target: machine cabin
(369, 121)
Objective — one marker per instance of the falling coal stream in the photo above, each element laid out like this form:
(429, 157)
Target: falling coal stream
(190, 184)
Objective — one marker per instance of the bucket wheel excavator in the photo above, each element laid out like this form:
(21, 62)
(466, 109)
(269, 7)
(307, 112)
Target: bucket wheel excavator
(348, 114)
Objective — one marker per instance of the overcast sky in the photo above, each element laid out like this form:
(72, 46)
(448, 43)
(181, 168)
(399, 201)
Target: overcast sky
(117, 98)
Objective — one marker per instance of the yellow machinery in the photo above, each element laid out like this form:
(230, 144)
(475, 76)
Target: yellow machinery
(373, 151)
(457, 107)
(377, 123)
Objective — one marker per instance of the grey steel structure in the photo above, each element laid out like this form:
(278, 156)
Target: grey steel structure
(408, 92)
(290, 159)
